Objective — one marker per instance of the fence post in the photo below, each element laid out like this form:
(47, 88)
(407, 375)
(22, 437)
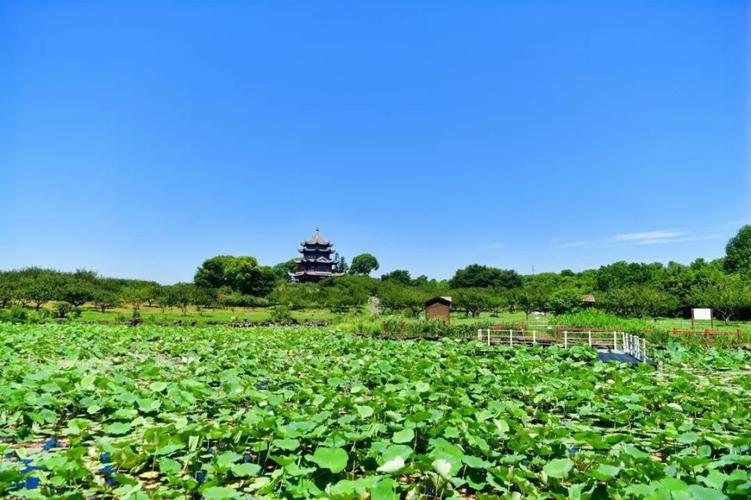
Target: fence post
(565, 339)
(488, 336)
(534, 337)
(615, 341)
(644, 350)
(511, 337)
(590, 338)
(479, 334)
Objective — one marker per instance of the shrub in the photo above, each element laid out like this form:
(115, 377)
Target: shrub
(16, 314)
(62, 309)
(281, 314)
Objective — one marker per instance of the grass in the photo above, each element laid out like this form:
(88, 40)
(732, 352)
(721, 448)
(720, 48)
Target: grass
(204, 316)
(201, 316)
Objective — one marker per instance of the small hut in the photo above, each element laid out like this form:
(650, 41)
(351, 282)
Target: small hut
(589, 300)
(438, 308)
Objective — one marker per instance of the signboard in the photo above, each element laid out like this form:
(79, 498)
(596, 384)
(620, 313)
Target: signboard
(701, 313)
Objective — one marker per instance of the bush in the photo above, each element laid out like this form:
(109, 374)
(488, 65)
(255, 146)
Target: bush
(16, 314)
(281, 314)
(62, 309)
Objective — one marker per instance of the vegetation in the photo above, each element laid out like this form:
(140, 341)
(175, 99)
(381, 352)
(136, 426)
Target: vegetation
(738, 251)
(136, 412)
(628, 290)
(364, 264)
(95, 410)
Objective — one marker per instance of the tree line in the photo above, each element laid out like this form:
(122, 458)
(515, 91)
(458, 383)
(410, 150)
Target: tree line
(622, 288)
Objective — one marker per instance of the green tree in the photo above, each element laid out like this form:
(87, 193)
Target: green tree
(531, 299)
(400, 276)
(247, 277)
(283, 270)
(738, 252)
(623, 274)
(180, 295)
(364, 264)
(104, 299)
(472, 300)
(8, 288)
(343, 293)
(395, 297)
(134, 295)
(242, 274)
(479, 276)
(39, 289)
(76, 292)
(727, 296)
(212, 273)
(565, 301)
(638, 301)
(423, 282)
(340, 265)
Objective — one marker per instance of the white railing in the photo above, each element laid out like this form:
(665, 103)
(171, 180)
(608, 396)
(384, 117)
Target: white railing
(620, 342)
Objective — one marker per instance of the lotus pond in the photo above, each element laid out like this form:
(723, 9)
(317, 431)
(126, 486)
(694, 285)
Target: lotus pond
(228, 413)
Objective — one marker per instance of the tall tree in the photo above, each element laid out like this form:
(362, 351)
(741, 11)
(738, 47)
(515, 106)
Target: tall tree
(738, 252)
(478, 276)
(341, 266)
(283, 269)
(400, 276)
(242, 274)
(622, 274)
(364, 264)
(212, 273)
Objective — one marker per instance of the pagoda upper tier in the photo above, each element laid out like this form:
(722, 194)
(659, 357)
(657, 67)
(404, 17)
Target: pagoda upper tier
(316, 243)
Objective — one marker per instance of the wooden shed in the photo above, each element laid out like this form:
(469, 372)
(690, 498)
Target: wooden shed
(438, 308)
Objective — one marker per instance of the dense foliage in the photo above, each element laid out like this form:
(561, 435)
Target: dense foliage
(635, 290)
(363, 264)
(96, 411)
(738, 251)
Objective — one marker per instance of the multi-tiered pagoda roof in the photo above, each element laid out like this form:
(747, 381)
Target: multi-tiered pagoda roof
(316, 262)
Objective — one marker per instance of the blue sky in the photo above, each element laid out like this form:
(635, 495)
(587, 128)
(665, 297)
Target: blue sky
(139, 138)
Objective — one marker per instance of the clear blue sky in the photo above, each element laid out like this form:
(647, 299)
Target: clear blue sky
(139, 138)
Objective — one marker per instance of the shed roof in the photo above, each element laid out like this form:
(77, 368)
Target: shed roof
(441, 299)
(589, 298)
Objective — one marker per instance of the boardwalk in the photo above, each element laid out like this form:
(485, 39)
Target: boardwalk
(611, 346)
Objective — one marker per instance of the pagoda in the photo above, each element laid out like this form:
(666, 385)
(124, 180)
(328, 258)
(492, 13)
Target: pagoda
(316, 262)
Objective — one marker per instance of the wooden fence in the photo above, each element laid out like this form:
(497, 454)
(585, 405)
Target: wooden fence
(709, 334)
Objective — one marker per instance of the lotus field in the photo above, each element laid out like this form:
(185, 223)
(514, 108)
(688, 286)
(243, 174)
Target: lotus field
(296, 413)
